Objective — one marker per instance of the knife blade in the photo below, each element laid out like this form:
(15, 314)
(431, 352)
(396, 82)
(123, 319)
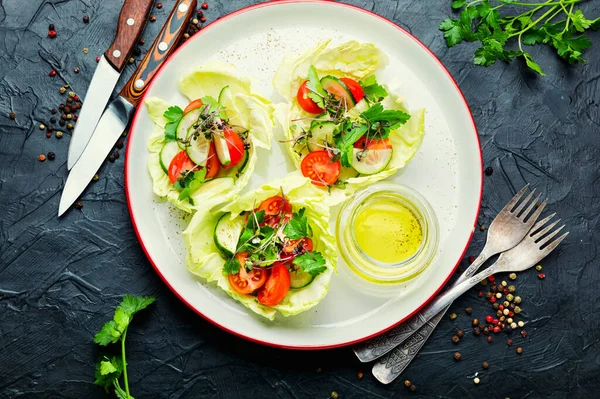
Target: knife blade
(117, 115)
(132, 20)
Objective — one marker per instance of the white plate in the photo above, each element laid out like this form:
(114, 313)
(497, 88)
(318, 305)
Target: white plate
(447, 170)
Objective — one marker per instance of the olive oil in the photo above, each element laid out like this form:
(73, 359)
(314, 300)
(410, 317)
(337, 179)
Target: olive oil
(387, 231)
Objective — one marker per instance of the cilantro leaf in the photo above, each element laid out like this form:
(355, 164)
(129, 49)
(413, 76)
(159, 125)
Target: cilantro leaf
(231, 266)
(317, 93)
(107, 371)
(373, 91)
(311, 262)
(297, 227)
(173, 115)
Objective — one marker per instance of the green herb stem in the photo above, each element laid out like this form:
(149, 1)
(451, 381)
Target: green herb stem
(124, 363)
(549, 3)
(534, 23)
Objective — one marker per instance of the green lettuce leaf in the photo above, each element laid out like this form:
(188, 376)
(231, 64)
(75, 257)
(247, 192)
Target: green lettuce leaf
(204, 259)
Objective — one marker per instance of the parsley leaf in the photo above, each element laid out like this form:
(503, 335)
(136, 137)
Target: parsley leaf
(532, 64)
(107, 371)
(311, 262)
(392, 118)
(297, 227)
(190, 182)
(173, 115)
(317, 93)
(231, 266)
(373, 91)
(347, 140)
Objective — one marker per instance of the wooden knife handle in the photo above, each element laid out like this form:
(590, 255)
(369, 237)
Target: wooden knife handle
(132, 20)
(163, 46)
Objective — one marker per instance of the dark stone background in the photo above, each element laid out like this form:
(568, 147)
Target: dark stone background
(61, 279)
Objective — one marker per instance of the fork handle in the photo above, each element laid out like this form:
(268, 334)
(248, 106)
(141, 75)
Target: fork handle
(374, 348)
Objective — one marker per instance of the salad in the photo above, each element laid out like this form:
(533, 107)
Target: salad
(203, 154)
(271, 249)
(343, 128)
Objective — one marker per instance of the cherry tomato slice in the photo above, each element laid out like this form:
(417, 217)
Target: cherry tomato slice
(372, 144)
(355, 88)
(319, 167)
(212, 162)
(179, 164)
(295, 248)
(246, 282)
(306, 102)
(276, 287)
(192, 106)
(275, 205)
(235, 145)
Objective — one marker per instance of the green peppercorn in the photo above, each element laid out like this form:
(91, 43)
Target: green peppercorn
(510, 297)
(517, 300)
(58, 134)
(96, 177)
(453, 316)
(511, 289)
(517, 310)
(538, 268)
(512, 276)
(334, 394)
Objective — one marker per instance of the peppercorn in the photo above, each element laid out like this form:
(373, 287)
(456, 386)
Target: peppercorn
(53, 111)
(504, 283)
(137, 51)
(455, 339)
(511, 306)
(79, 205)
(496, 306)
(42, 127)
(204, 6)
(413, 388)
(513, 325)
(485, 365)
(517, 300)
(318, 370)
(512, 276)
(476, 331)
(194, 21)
(78, 105)
(52, 73)
(506, 304)
(334, 395)
(68, 107)
(153, 19)
(489, 170)
(486, 330)
(86, 50)
(51, 156)
(69, 126)
(69, 116)
(119, 144)
(499, 313)
(480, 294)
(452, 316)
(159, 5)
(488, 295)
(97, 58)
(186, 35)
(509, 320)
(505, 312)
(142, 40)
(460, 333)
(76, 70)
(51, 33)
(96, 177)
(53, 120)
(482, 227)
(75, 117)
(49, 128)
(493, 299)
(111, 158)
(42, 158)
(489, 339)
(520, 323)
(523, 333)
(489, 318)
(517, 310)
(116, 154)
(475, 322)
(519, 350)
(456, 355)
(131, 60)
(203, 19)
(86, 19)
(62, 122)
(124, 133)
(541, 276)
(407, 383)
(538, 268)
(483, 282)
(469, 310)
(62, 90)
(492, 278)
(51, 27)
(476, 380)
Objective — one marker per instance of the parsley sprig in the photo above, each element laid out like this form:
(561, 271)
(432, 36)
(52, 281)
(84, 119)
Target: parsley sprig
(554, 23)
(110, 369)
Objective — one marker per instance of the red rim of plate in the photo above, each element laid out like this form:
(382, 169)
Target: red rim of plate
(303, 347)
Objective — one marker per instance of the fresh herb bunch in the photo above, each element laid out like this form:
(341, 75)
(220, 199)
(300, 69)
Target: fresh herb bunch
(555, 23)
(110, 369)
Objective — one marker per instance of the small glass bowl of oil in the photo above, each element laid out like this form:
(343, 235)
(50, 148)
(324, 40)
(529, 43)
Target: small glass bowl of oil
(387, 233)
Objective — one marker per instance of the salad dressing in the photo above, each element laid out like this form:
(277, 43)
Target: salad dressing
(388, 231)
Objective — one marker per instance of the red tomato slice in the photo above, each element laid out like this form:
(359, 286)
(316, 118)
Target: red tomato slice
(319, 167)
(275, 205)
(212, 163)
(192, 106)
(235, 145)
(372, 144)
(306, 102)
(245, 282)
(355, 88)
(295, 248)
(179, 164)
(276, 287)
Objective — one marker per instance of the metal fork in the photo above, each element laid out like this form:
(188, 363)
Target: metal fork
(534, 247)
(506, 230)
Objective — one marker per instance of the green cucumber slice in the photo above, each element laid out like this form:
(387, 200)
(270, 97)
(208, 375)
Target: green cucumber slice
(198, 148)
(244, 162)
(222, 149)
(227, 234)
(185, 124)
(358, 109)
(339, 89)
(300, 279)
(369, 162)
(321, 132)
(166, 155)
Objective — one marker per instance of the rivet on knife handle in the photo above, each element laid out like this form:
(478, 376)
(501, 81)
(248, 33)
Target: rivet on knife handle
(163, 46)
(132, 20)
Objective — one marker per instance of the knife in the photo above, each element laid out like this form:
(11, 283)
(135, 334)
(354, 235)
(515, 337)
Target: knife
(117, 115)
(132, 20)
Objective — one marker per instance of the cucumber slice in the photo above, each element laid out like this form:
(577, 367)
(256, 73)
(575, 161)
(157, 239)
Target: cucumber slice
(339, 89)
(369, 162)
(227, 234)
(221, 149)
(185, 124)
(300, 279)
(244, 162)
(226, 101)
(321, 132)
(166, 155)
(198, 148)
(358, 109)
